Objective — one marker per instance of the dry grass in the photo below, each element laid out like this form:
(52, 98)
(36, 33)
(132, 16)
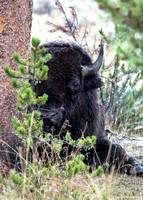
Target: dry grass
(53, 184)
(80, 187)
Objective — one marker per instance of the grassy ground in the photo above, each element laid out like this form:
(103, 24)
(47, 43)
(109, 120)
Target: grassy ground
(72, 182)
(79, 187)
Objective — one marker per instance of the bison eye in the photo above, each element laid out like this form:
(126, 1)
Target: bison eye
(73, 86)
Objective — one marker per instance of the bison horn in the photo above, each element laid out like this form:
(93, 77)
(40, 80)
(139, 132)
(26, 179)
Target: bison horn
(95, 67)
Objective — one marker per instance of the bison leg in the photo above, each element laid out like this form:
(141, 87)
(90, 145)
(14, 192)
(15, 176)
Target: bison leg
(113, 155)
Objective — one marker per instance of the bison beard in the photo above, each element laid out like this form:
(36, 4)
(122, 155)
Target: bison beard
(72, 85)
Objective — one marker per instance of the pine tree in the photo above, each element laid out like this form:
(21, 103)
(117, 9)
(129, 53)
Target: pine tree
(128, 45)
(15, 29)
(24, 80)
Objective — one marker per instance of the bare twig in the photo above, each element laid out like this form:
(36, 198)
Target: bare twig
(71, 28)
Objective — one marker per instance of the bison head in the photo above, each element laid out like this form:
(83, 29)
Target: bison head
(71, 87)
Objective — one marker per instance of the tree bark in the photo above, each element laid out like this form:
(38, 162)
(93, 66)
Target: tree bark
(15, 32)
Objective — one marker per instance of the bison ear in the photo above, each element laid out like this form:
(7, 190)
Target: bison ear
(93, 82)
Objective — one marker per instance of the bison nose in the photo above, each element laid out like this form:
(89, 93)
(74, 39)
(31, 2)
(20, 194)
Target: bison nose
(62, 108)
(52, 117)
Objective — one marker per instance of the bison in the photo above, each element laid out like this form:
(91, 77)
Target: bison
(73, 80)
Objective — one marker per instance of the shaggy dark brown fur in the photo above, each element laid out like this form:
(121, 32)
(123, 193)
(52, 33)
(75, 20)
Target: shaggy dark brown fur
(68, 88)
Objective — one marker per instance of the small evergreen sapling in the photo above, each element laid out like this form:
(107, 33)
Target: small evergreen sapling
(24, 80)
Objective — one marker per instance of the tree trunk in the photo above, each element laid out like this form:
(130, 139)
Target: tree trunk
(15, 29)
